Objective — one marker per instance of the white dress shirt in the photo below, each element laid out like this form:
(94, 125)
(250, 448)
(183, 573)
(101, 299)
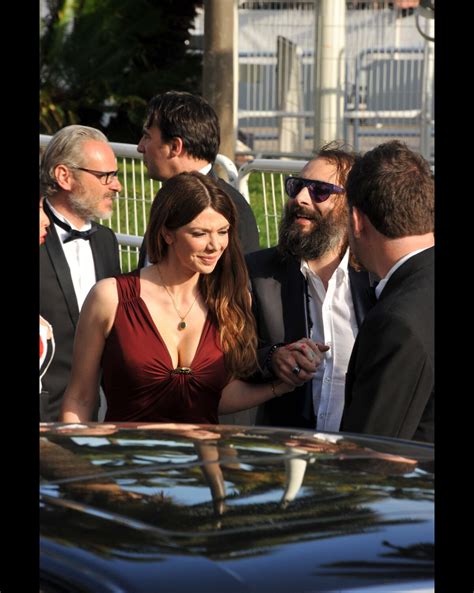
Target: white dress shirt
(79, 258)
(334, 324)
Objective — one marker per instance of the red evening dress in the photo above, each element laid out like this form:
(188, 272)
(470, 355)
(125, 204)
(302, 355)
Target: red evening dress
(139, 381)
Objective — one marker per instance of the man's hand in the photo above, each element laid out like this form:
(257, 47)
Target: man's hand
(296, 363)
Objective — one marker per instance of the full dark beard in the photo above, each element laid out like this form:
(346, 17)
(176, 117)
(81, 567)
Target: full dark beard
(326, 233)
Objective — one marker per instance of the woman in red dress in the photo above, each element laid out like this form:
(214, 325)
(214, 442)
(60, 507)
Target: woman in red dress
(175, 339)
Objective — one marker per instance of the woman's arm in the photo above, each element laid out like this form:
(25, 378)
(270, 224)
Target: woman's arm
(239, 395)
(95, 322)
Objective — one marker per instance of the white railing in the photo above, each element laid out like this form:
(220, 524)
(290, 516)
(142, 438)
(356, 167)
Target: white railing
(261, 181)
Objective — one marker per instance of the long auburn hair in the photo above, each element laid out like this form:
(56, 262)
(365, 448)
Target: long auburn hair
(343, 158)
(225, 290)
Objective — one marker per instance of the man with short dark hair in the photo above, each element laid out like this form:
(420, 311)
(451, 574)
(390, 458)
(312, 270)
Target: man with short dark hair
(390, 379)
(181, 133)
(307, 290)
(79, 181)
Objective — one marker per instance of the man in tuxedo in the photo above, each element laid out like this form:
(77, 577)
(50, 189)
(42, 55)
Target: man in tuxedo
(79, 182)
(309, 287)
(390, 379)
(181, 133)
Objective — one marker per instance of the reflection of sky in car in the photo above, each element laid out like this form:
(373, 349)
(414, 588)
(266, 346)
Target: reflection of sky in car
(91, 441)
(398, 506)
(50, 490)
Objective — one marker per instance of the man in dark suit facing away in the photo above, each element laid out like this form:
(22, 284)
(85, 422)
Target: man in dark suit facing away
(181, 133)
(390, 379)
(79, 182)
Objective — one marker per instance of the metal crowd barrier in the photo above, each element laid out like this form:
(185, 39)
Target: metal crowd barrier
(260, 181)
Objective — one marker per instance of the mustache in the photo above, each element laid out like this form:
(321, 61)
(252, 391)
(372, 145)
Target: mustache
(294, 211)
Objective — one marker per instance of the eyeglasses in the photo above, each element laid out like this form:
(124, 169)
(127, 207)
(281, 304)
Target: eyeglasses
(318, 190)
(105, 177)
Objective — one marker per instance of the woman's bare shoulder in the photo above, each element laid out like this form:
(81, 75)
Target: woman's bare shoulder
(103, 294)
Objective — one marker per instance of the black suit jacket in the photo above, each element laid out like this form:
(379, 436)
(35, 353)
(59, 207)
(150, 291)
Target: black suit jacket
(279, 305)
(58, 305)
(247, 225)
(390, 378)
(247, 228)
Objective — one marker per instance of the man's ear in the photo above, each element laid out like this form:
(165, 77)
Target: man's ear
(63, 177)
(357, 221)
(176, 147)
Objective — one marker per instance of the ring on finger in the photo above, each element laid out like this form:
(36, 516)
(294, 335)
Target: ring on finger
(296, 370)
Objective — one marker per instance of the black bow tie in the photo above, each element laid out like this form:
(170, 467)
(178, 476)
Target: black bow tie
(73, 234)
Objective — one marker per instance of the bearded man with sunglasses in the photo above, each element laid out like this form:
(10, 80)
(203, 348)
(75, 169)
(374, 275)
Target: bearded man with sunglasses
(309, 297)
(79, 182)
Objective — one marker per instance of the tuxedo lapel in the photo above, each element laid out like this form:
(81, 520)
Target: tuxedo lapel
(293, 298)
(97, 248)
(61, 268)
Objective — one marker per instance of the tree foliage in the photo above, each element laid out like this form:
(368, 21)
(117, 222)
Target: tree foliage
(102, 60)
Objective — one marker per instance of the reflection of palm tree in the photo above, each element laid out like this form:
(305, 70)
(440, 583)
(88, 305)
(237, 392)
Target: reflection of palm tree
(415, 552)
(414, 562)
(211, 469)
(295, 468)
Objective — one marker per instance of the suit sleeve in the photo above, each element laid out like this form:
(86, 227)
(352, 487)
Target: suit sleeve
(247, 227)
(262, 374)
(390, 380)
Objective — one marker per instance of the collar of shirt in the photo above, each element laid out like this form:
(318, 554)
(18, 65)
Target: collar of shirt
(61, 232)
(340, 272)
(381, 285)
(205, 170)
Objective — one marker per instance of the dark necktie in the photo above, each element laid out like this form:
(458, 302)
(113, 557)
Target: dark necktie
(73, 234)
(372, 293)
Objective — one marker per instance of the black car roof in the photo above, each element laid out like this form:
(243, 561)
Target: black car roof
(245, 506)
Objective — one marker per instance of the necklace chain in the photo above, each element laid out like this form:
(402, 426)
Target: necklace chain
(182, 325)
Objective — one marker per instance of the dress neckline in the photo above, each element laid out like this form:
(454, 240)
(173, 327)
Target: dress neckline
(156, 330)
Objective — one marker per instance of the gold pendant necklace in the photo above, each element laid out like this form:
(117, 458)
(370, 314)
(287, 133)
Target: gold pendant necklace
(182, 324)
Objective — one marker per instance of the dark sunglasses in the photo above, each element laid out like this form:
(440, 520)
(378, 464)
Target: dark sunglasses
(318, 190)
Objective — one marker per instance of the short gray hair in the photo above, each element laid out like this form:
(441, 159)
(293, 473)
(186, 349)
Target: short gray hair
(65, 148)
